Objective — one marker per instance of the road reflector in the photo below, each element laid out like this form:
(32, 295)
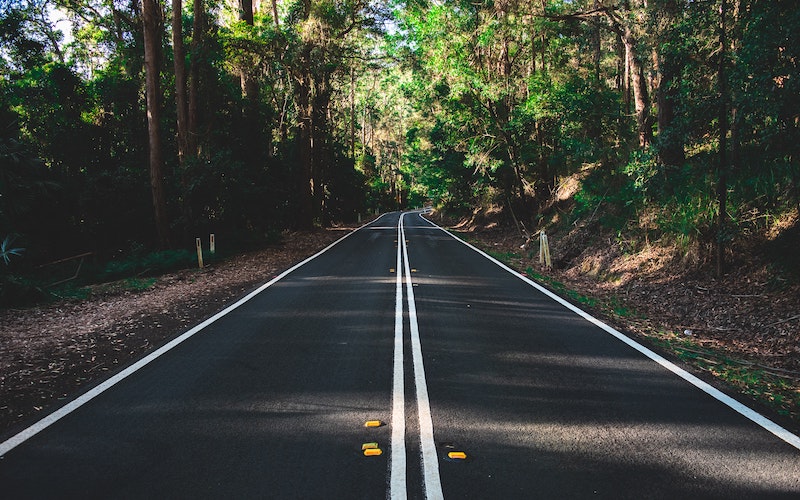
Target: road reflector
(391, 269)
(413, 270)
(372, 452)
(369, 446)
(373, 423)
(457, 455)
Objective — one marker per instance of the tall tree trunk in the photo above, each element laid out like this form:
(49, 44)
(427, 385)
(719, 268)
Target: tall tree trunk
(596, 47)
(305, 138)
(722, 170)
(275, 14)
(641, 99)
(625, 75)
(152, 24)
(670, 136)
(198, 32)
(182, 106)
(352, 123)
(181, 102)
(250, 91)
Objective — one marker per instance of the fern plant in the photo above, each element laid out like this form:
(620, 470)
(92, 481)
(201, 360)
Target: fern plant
(6, 249)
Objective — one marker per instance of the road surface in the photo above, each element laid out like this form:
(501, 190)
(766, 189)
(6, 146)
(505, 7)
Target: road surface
(450, 351)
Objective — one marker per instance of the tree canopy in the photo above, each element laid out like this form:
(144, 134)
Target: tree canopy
(145, 122)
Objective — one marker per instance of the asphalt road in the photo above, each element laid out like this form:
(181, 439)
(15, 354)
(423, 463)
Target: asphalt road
(270, 400)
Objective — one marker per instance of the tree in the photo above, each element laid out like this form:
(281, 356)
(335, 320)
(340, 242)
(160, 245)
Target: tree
(152, 25)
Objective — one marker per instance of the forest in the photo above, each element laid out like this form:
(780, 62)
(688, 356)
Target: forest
(134, 126)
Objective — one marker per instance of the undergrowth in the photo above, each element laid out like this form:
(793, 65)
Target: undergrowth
(774, 387)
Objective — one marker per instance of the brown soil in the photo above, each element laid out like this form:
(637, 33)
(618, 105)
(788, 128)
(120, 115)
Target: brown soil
(52, 352)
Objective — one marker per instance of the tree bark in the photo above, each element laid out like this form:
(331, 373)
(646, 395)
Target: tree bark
(250, 89)
(304, 178)
(198, 31)
(670, 136)
(182, 106)
(641, 99)
(722, 170)
(275, 14)
(152, 24)
(181, 102)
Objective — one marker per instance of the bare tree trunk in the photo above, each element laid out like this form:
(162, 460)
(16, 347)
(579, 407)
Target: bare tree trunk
(182, 105)
(275, 14)
(353, 112)
(596, 47)
(670, 136)
(198, 31)
(626, 76)
(181, 101)
(250, 91)
(305, 138)
(152, 24)
(722, 171)
(641, 99)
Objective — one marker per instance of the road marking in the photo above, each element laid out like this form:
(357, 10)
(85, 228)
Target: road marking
(397, 461)
(720, 396)
(81, 400)
(430, 460)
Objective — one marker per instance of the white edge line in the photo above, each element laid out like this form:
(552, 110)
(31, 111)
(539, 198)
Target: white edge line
(397, 466)
(24, 435)
(743, 410)
(430, 459)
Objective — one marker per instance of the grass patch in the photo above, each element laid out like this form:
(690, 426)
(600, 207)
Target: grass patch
(561, 289)
(139, 285)
(774, 387)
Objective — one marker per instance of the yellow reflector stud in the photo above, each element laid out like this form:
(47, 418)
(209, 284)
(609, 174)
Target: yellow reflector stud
(391, 270)
(372, 452)
(373, 423)
(369, 446)
(457, 455)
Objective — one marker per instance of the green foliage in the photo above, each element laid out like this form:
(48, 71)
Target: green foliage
(6, 250)
(773, 387)
(154, 263)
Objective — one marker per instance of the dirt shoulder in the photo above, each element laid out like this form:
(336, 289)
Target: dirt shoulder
(51, 353)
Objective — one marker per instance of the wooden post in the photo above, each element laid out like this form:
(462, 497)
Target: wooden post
(212, 244)
(544, 250)
(199, 253)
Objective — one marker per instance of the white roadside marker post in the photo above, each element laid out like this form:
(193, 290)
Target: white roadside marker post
(199, 253)
(544, 250)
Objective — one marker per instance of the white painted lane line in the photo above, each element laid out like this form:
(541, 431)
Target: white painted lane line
(70, 407)
(743, 410)
(430, 461)
(397, 459)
